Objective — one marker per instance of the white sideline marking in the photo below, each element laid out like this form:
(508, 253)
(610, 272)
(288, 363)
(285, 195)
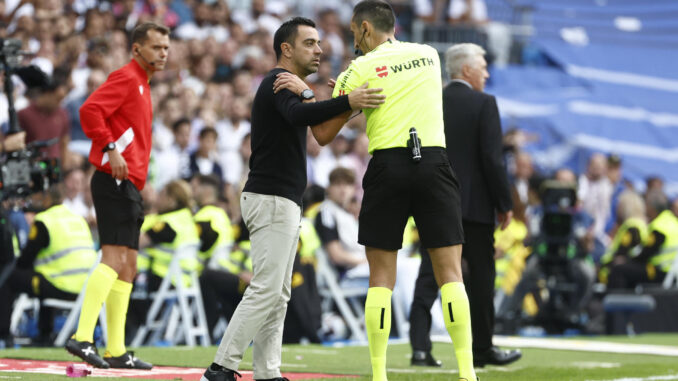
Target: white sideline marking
(650, 378)
(595, 365)
(326, 352)
(577, 345)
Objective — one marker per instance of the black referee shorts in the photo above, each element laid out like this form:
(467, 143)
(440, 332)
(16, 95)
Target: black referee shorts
(396, 188)
(119, 210)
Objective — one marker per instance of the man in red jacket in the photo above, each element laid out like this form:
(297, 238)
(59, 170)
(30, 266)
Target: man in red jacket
(117, 117)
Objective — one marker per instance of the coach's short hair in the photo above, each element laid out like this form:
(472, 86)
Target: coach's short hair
(459, 55)
(288, 33)
(140, 33)
(378, 13)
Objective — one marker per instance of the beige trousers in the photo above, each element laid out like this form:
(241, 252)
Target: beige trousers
(273, 223)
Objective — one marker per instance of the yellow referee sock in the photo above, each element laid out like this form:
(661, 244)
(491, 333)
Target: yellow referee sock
(116, 315)
(457, 316)
(378, 324)
(98, 286)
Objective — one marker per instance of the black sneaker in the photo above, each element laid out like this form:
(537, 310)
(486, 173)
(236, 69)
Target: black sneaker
(423, 358)
(216, 372)
(86, 351)
(128, 361)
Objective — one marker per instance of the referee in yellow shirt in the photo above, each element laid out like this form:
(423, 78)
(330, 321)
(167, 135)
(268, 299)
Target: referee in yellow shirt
(398, 185)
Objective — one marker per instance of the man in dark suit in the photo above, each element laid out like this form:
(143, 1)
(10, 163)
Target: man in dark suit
(474, 147)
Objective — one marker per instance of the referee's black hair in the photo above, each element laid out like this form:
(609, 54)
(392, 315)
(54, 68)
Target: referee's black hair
(140, 32)
(378, 13)
(288, 32)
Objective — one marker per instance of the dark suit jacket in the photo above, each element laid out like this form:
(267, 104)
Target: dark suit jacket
(474, 145)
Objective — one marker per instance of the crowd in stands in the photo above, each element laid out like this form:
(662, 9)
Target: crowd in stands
(201, 104)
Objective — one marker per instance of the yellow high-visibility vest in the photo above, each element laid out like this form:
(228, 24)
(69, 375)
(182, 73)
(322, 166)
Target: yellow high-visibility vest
(220, 223)
(666, 223)
(67, 260)
(181, 221)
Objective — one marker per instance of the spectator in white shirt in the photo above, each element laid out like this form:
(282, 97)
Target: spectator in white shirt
(331, 157)
(336, 226)
(174, 162)
(231, 132)
(203, 160)
(74, 197)
(595, 194)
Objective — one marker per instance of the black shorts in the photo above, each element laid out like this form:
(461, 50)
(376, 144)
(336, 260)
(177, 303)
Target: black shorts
(120, 212)
(396, 187)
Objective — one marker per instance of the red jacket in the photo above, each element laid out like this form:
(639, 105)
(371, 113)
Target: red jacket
(121, 111)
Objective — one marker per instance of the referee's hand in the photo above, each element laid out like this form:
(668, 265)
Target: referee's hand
(118, 165)
(362, 97)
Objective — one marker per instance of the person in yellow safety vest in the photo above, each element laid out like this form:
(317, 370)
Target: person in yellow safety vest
(659, 251)
(224, 286)
(630, 236)
(303, 319)
(54, 263)
(214, 226)
(175, 229)
(510, 254)
(151, 218)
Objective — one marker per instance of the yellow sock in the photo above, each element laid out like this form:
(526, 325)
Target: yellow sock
(378, 324)
(116, 315)
(98, 286)
(457, 315)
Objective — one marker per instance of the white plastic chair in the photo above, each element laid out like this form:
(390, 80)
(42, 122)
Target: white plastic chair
(177, 310)
(330, 291)
(25, 303)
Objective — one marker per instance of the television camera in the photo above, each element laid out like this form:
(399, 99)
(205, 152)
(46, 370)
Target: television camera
(560, 255)
(23, 172)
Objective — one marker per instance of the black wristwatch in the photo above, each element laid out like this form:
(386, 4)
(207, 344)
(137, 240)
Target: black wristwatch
(108, 147)
(307, 94)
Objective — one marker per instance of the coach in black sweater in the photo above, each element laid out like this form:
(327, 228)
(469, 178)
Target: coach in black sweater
(474, 147)
(271, 201)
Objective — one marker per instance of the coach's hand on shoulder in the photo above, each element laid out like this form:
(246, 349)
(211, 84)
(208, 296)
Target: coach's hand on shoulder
(362, 97)
(290, 82)
(118, 165)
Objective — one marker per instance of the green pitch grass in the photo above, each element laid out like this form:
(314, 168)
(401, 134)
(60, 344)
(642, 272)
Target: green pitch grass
(536, 364)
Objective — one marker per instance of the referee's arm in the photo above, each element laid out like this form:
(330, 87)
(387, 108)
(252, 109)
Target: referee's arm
(101, 104)
(325, 129)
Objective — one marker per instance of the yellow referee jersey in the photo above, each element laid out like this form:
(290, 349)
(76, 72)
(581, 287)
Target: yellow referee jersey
(411, 78)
